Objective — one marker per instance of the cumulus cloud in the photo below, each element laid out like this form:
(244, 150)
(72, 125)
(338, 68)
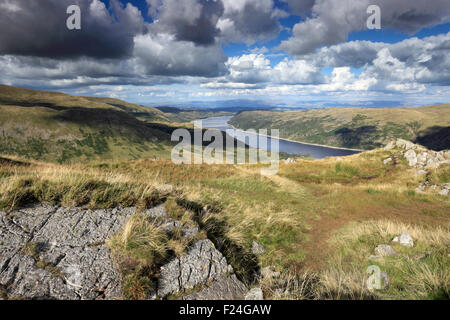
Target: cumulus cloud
(332, 21)
(162, 55)
(38, 28)
(423, 60)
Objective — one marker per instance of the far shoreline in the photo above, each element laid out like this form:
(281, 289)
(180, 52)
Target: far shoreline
(289, 140)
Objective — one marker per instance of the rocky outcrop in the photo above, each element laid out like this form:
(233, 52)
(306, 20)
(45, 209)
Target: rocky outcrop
(423, 160)
(418, 156)
(49, 252)
(59, 253)
(224, 288)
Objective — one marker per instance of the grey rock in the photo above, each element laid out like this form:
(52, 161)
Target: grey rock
(404, 144)
(404, 239)
(225, 288)
(386, 161)
(190, 232)
(444, 192)
(71, 260)
(420, 172)
(255, 294)
(258, 248)
(390, 145)
(385, 250)
(156, 212)
(202, 264)
(411, 156)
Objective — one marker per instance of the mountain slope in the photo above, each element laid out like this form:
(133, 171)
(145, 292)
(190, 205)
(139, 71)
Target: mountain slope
(355, 127)
(64, 128)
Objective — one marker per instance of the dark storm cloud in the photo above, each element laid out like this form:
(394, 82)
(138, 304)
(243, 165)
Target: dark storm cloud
(250, 21)
(188, 20)
(38, 28)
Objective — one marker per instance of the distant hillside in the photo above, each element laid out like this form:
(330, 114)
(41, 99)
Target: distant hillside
(187, 115)
(356, 127)
(64, 128)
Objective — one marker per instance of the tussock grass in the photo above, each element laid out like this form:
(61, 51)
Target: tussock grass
(139, 248)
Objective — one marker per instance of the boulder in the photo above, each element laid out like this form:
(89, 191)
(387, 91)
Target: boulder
(385, 250)
(404, 239)
(202, 264)
(225, 288)
(388, 160)
(257, 248)
(255, 294)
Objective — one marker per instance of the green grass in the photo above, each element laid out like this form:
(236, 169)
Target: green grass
(293, 214)
(61, 128)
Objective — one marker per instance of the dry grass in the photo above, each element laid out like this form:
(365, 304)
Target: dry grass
(410, 277)
(139, 248)
(293, 214)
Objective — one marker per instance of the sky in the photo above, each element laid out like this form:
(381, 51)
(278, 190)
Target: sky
(289, 53)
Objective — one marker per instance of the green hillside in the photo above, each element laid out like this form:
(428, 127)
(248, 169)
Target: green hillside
(356, 127)
(64, 128)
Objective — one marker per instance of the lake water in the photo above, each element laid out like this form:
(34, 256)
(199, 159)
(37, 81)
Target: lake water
(317, 152)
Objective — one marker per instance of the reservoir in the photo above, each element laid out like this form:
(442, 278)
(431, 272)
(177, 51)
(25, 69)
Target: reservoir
(286, 146)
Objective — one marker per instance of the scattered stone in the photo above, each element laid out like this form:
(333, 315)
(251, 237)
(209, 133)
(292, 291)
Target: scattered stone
(202, 264)
(404, 239)
(422, 255)
(255, 294)
(385, 250)
(420, 172)
(257, 248)
(289, 161)
(388, 160)
(444, 192)
(225, 288)
(411, 156)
